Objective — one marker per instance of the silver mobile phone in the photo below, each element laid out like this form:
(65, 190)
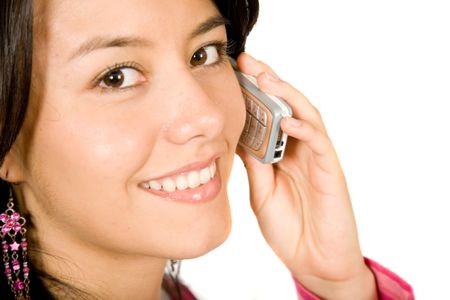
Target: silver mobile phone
(262, 136)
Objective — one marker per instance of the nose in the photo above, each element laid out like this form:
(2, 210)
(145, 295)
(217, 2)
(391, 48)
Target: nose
(194, 113)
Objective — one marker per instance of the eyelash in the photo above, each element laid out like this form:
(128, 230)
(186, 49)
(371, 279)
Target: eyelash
(224, 49)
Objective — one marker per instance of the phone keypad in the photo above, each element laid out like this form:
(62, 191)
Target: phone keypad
(255, 125)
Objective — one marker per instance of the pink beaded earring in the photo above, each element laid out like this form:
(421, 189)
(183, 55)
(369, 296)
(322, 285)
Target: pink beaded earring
(12, 231)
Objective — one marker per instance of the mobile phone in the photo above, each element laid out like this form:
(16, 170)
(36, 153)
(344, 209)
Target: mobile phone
(262, 136)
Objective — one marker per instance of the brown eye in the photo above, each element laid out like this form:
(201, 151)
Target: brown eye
(121, 78)
(114, 79)
(199, 57)
(205, 56)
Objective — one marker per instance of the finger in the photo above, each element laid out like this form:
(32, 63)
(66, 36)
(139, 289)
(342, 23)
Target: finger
(301, 106)
(317, 141)
(260, 178)
(249, 65)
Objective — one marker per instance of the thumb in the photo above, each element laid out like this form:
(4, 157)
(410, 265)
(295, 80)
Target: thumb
(260, 178)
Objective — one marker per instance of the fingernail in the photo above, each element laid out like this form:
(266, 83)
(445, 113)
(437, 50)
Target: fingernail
(294, 122)
(271, 77)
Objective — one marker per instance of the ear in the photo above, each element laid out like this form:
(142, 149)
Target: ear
(12, 168)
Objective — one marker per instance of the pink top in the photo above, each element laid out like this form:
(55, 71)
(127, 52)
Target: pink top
(389, 286)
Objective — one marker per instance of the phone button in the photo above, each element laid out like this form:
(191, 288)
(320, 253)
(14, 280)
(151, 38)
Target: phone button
(249, 140)
(248, 102)
(254, 109)
(247, 123)
(252, 131)
(260, 134)
(262, 116)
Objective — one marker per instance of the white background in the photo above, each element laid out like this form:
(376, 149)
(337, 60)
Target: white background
(379, 72)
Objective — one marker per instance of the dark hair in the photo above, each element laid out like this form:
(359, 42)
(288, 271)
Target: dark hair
(16, 19)
(16, 27)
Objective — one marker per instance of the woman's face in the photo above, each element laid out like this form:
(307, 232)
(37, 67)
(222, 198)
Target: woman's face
(128, 95)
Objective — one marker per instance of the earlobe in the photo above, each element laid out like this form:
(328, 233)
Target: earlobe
(11, 169)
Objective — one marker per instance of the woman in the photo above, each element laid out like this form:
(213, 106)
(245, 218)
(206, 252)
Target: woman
(118, 141)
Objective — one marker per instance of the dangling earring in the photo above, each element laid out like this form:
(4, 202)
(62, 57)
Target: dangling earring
(13, 237)
(174, 286)
(175, 266)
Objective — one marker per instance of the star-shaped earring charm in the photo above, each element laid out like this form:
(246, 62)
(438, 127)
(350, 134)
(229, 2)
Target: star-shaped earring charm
(14, 246)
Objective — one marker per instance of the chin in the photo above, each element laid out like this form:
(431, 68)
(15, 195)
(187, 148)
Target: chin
(207, 238)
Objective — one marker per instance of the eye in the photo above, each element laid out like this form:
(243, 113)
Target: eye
(121, 78)
(206, 56)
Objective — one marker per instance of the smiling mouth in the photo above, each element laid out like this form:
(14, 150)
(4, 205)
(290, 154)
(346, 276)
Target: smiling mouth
(183, 181)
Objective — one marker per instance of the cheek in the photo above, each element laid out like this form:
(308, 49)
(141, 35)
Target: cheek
(76, 156)
(100, 145)
(231, 102)
(79, 167)
(238, 114)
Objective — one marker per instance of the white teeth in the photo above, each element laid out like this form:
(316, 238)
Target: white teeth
(193, 179)
(154, 185)
(212, 169)
(182, 183)
(205, 175)
(168, 185)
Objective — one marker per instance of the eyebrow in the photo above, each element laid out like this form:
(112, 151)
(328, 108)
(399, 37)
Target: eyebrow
(101, 42)
(209, 25)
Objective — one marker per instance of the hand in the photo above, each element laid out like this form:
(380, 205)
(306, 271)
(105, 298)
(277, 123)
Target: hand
(302, 203)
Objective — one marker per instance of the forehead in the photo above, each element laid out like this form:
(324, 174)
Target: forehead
(68, 20)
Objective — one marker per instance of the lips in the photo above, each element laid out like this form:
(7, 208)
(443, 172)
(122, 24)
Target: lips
(197, 182)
